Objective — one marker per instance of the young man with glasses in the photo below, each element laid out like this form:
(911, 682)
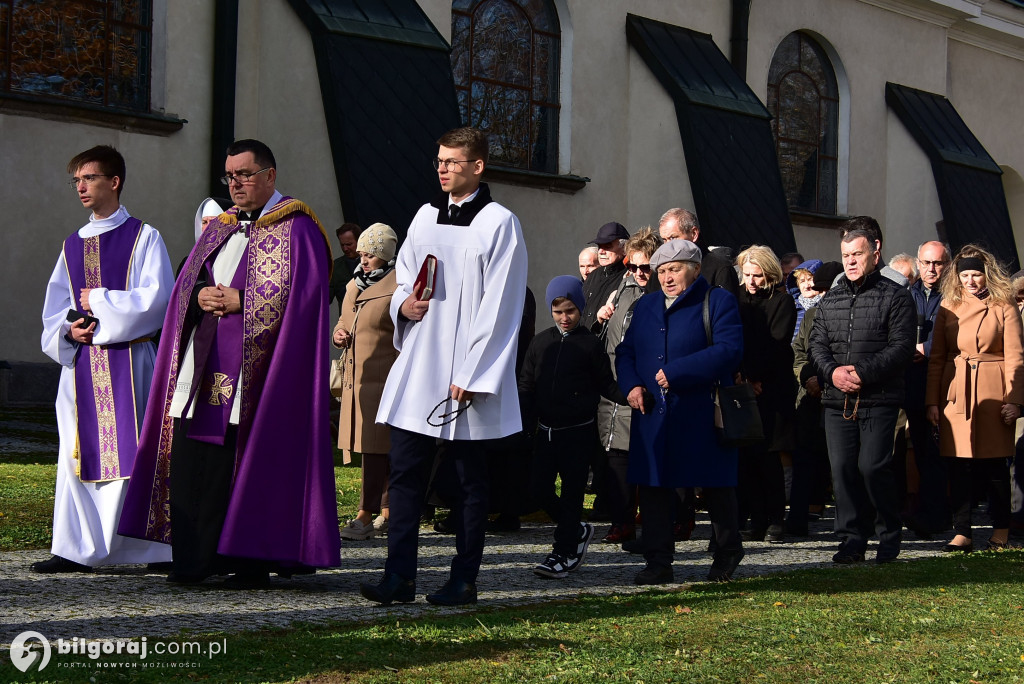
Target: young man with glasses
(454, 381)
(104, 304)
(237, 402)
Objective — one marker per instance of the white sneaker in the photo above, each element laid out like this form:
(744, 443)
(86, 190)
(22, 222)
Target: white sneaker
(586, 536)
(356, 530)
(380, 524)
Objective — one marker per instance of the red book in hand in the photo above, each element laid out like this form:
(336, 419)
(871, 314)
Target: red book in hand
(423, 288)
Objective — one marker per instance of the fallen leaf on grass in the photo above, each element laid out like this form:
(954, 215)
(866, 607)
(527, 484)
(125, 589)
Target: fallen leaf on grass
(780, 604)
(683, 609)
(564, 649)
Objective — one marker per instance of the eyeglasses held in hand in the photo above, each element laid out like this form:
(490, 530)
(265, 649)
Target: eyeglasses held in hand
(643, 268)
(88, 179)
(242, 178)
(448, 164)
(449, 417)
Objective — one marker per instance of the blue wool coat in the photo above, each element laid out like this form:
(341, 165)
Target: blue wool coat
(674, 444)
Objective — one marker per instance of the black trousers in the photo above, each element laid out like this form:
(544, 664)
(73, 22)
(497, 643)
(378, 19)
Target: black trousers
(932, 500)
(621, 494)
(762, 482)
(200, 491)
(412, 458)
(865, 486)
(991, 475)
(566, 454)
(657, 507)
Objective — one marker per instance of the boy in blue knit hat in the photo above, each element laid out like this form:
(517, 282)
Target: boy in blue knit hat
(565, 372)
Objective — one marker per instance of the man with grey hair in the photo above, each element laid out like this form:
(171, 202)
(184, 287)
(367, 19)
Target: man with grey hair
(906, 265)
(861, 343)
(930, 512)
(682, 224)
(588, 261)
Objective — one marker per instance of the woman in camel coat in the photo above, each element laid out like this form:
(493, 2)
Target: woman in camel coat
(975, 388)
(366, 331)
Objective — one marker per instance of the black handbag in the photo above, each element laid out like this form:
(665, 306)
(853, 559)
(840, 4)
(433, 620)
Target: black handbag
(737, 418)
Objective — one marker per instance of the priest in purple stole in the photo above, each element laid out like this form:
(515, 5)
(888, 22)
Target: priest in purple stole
(104, 304)
(235, 463)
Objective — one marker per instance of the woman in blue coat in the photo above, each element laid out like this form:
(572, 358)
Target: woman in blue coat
(667, 371)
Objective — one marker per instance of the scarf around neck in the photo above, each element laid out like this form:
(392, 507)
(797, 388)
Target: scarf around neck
(365, 280)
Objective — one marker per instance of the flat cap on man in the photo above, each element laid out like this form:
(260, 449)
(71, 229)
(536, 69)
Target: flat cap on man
(676, 250)
(610, 231)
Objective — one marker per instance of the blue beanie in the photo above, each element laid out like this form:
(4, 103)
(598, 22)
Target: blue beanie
(565, 286)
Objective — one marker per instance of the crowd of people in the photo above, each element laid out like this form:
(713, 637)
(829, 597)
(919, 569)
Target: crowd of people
(191, 440)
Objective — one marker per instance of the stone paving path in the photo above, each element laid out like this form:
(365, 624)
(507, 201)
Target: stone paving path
(123, 601)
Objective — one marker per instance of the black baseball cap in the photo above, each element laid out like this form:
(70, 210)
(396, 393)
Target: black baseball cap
(610, 231)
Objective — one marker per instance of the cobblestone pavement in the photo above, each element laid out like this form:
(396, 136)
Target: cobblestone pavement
(124, 601)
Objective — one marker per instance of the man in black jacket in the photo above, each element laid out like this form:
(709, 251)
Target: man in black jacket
(602, 281)
(680, 224)
(862, 340)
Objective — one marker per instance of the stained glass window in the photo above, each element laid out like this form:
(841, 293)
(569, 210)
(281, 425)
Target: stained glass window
(505, 59)
(91, 51)
(803, 98)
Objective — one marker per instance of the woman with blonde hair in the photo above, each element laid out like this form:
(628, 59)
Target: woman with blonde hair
(769, 318)
(975, 388)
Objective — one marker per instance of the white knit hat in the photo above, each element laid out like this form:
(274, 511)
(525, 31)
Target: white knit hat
(378, 240)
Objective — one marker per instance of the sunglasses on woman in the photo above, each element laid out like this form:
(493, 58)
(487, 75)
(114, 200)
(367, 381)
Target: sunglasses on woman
(643, 268)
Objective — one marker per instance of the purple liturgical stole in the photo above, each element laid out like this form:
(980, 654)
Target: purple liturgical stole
(217, 350)
(104, 395)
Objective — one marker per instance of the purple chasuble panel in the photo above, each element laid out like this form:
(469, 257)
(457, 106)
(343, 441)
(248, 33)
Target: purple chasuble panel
(104, 392)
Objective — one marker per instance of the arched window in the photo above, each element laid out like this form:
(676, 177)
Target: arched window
(803, 98)
(90, 51)
(505, 60)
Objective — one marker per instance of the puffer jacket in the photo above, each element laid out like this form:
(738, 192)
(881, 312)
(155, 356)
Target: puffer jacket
(871, 327)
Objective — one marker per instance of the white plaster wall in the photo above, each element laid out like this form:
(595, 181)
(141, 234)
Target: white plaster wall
(874, 45)
(1013, 185)
(166, 176)
(278, 101)
(913, 207)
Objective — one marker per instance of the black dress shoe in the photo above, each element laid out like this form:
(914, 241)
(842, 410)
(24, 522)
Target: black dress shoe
(958, 548)
(248, 580)
(848, 557)
(724, 565)
(752, 535)
(160, 568)
(455, 592)
(444, 527)
(653, 574)
(57, 564)
(391, 588)
(504, 523)
(182, 578)
(633, 545)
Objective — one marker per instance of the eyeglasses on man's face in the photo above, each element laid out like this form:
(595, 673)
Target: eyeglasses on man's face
(88, 179)
(643, 268)
(242, 178)
(450, 164)
(925, 265)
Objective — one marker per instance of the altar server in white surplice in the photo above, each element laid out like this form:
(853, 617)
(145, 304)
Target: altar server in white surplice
(115, 270)
(454, 379)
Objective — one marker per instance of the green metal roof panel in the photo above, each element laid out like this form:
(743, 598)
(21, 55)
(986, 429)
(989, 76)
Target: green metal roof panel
(938, 128)
(399, 21)
(689, 64)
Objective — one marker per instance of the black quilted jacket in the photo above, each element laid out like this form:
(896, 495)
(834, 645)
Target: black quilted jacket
(873, 327)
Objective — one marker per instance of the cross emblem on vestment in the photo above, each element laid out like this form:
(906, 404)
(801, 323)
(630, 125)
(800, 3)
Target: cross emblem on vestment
(221, 389)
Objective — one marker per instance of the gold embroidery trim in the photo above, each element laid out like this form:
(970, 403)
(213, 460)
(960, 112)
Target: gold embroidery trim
(102, 387)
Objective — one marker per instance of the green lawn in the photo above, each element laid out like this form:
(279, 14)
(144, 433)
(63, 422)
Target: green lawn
(28, 474)
(953, 619)
(935, 620)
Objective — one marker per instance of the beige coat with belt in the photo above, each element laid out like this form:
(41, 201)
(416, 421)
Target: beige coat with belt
(975, 367)
(367, 362)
